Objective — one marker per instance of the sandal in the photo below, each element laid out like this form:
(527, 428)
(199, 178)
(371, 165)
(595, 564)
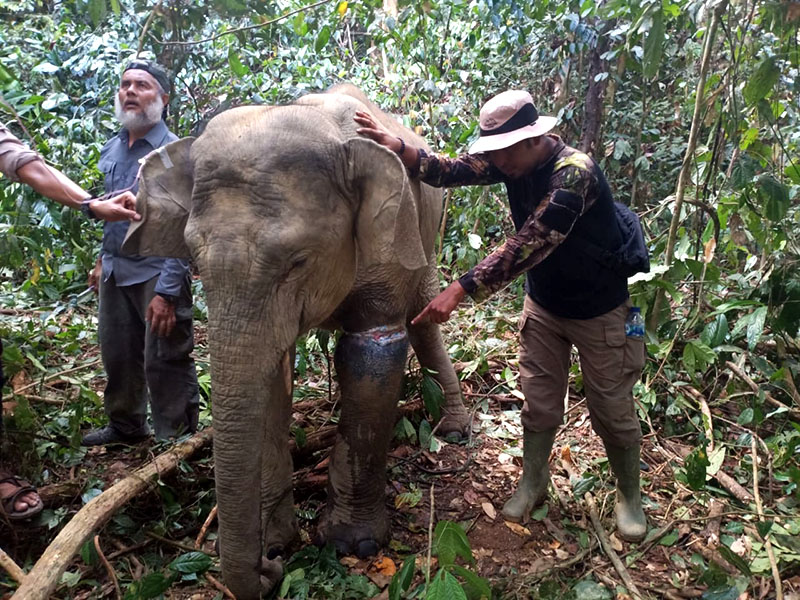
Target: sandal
(7, 502)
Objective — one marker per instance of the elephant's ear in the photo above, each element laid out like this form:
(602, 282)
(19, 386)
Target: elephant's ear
(164, 200)
(387, 225)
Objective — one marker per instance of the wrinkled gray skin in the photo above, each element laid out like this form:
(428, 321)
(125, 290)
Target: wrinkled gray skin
(295, 222)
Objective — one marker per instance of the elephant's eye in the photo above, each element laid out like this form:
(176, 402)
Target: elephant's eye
(298, 262)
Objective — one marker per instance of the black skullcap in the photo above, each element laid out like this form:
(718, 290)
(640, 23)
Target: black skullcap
(152, 67)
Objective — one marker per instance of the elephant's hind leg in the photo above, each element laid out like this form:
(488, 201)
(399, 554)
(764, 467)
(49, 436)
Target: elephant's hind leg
(370, 367)
(426, 339)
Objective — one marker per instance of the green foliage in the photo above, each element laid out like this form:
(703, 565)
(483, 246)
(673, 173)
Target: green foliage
(452, 580)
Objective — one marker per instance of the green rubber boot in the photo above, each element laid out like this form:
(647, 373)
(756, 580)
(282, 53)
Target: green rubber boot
(532, 488)
(631, 522)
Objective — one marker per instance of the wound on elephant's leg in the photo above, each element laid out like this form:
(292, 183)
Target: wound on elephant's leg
(370, 367)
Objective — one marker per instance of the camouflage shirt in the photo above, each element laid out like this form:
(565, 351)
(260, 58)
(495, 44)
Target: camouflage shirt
(548, 203)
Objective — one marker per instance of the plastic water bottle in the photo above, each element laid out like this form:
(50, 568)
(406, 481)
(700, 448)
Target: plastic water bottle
(634, 324)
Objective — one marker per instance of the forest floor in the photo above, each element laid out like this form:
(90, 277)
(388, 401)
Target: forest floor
(557, 554)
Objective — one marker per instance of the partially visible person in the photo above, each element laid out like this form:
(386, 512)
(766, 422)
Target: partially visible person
(145, 323)
(18, 499)
(565, 219)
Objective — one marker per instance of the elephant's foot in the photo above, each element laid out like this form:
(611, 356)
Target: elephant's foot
(361, 540)
(455, 422)
(271, 573)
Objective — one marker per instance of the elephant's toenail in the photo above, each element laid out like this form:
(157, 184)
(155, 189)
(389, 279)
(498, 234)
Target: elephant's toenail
(367, 548)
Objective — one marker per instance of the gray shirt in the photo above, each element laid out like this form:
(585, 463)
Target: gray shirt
(120, 165)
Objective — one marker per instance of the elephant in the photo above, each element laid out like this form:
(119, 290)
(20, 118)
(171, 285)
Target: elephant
(296, 222)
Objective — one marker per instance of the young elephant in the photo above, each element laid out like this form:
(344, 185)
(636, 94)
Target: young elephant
(294, 222)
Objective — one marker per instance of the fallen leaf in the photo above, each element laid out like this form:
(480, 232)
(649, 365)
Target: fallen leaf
(742, 546)
(566, 454)
(488, 508)
(518, 529)
(561, 554)
(349, 561)
(554, 544)
(615, 542)
(471, 497)
(379, 579)
(383, 565)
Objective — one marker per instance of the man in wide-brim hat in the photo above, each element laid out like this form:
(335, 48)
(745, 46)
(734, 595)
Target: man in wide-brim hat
(559, 201)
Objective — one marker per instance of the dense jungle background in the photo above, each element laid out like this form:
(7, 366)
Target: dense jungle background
(690, 107)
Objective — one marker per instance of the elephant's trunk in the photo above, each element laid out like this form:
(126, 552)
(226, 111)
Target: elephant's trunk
(244, 359)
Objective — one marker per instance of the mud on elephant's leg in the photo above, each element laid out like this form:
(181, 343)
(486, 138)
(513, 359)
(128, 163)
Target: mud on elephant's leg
(277, 501)
(370, 367)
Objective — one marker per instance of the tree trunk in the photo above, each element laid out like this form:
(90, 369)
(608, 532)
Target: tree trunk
(593, 104)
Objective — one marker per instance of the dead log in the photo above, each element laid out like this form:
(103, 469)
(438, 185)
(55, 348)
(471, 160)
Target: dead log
(46, 573)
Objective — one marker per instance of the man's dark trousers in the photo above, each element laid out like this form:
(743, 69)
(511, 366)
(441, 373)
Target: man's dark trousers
(137, 361)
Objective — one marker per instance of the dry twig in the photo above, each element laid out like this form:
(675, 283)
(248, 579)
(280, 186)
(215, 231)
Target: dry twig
(109, 569)
(603, 536)
(198, 542)
(776, 576)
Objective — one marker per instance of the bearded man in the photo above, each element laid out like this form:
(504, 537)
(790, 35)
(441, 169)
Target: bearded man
(145, 323)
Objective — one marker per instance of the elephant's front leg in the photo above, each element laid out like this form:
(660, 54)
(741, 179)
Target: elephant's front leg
(370, 366)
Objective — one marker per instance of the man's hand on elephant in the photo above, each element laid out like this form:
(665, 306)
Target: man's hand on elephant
(375, 131)
(439, 309)
(161, 316)
(118, 208)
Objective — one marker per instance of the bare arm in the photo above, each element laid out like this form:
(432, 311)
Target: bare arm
(51, 183)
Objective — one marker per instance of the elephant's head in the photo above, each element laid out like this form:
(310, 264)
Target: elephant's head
(279, 208)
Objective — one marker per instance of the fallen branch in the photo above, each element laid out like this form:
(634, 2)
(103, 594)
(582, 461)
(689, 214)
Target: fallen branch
(47, 571)
(795, 413)
(588, 499)
(12, 568)
(220, 586)
(18, 391)
(198, 542)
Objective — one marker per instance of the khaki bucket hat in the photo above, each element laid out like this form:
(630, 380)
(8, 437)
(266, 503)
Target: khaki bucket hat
(509, 118)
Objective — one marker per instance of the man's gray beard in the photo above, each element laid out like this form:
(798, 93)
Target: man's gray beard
(137, 121)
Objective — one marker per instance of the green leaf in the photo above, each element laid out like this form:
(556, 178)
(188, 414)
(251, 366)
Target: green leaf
(403, 578)
(695, 465)
(736, 560)
(654, 44)
(762, 81)
(322, 38)
(774, 196)
(755, 326)
(432, 396)
(715, 332)
(540, 513)
(585, 484)
(97, 11)
(591, 590)
(444, 587)
(425, 434)
(746, 416)
(449, 541)
(149, 586)
(236, 65)
(191, 562)
(476, 587)
(724, 592)
(115, 7)
(89, 553)
(763, 528)
(669, 539)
